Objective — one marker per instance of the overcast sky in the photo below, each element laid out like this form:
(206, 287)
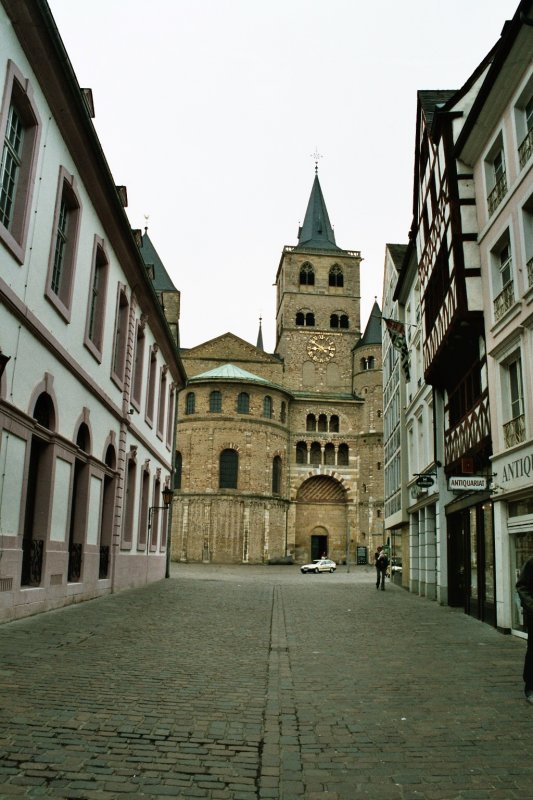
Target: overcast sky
(209, 112)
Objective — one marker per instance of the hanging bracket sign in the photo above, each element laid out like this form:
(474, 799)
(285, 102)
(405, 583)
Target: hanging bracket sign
(467, 483)
(425, 481)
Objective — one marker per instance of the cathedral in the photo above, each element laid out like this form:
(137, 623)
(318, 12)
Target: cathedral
(279, 455)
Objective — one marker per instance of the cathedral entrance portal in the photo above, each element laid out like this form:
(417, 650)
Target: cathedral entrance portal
(321, 519)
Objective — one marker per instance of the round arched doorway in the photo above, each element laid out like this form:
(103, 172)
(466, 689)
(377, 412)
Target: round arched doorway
(321, 519)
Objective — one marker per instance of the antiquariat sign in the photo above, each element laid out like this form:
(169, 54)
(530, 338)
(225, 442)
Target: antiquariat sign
(467, 483)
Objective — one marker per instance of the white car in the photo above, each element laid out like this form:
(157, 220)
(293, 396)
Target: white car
(319, 565)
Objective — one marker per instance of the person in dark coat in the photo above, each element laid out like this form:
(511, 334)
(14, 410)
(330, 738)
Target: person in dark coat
(524, 587)
(382, 562)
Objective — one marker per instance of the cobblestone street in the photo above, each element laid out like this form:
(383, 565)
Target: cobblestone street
(259, 682)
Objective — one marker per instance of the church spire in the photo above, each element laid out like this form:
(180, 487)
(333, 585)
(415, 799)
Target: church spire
(316, 230)
(260, 336)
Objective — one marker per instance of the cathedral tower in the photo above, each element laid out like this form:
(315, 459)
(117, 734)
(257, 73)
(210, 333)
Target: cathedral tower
(318, 295)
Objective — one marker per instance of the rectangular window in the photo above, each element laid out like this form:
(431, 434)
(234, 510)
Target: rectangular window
(496, 176)
(62, 262)
(514, 429)
(94, 327)
(170, 414)
(121, 337)
(502, 277)
(525, 130)
(19, 137)
(150, 398)
(162, 401)
(138, 362)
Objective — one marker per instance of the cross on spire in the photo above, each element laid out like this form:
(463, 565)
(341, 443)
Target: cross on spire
(316, 155)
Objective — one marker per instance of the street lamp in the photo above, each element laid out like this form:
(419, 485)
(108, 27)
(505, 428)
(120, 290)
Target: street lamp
(168, 494)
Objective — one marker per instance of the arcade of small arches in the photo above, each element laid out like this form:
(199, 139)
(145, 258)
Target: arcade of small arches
(318, 453)
(322, 423)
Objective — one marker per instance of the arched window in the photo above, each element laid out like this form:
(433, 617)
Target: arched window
(215, 401)
(334, 423)
(316, 453)
(363, 364)
(310, 423)
(334, 321)
(370, 362)
(378, 512)
(329, 454)
(276, 475)
(301, 453)
(310, 319)
(83, 439)
(336, 278)
(344, 455)
(379, 414)
(243, 403)
(177, 469)
(300, 318)
(190, 403)
(307, 274)
(283, 412)
(322, 423)
(229, 469)
(344, 322)
(43, 411)
(267, 407)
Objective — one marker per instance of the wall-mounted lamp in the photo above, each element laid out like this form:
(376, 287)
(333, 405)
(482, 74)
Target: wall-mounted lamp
(168, 494)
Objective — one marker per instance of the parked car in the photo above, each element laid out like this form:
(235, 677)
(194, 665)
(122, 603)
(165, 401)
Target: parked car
(319, 565)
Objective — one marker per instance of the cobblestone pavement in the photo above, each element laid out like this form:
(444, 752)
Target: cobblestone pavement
(258, 682)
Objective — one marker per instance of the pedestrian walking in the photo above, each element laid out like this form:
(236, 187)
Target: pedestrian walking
(524, 587)
(382, 562)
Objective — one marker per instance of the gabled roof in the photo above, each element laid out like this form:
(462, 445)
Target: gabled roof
(160, 280)
(316, 232)
(372, 334)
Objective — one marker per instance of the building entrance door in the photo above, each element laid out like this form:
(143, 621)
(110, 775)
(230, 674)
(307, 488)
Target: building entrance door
(319, 546)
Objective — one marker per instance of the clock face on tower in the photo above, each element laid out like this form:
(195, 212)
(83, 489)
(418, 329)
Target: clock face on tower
(321, 348)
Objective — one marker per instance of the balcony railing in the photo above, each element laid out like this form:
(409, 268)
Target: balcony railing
(498, 193)
(32, 562)
(530, 272)
(525, 149)
(103, 567)
(503, 301)
(514, 431)
(74, 562)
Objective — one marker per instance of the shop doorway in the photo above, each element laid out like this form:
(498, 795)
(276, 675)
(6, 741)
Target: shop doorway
(471, 582)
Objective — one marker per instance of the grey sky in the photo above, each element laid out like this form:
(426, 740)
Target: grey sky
(209, 112)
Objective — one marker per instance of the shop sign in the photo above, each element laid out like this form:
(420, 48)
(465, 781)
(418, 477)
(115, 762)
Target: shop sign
(519, 469)
(425, 481)
(467, 483)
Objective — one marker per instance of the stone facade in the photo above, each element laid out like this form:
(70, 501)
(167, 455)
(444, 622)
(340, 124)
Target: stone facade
(301, 429)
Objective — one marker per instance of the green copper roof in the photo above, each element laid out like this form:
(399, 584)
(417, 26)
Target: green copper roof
(229, 372)
(316, 230)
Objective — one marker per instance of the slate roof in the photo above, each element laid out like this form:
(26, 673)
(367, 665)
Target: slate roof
(316, 231)
(372, 334)
(397, 252)
(161, 280)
